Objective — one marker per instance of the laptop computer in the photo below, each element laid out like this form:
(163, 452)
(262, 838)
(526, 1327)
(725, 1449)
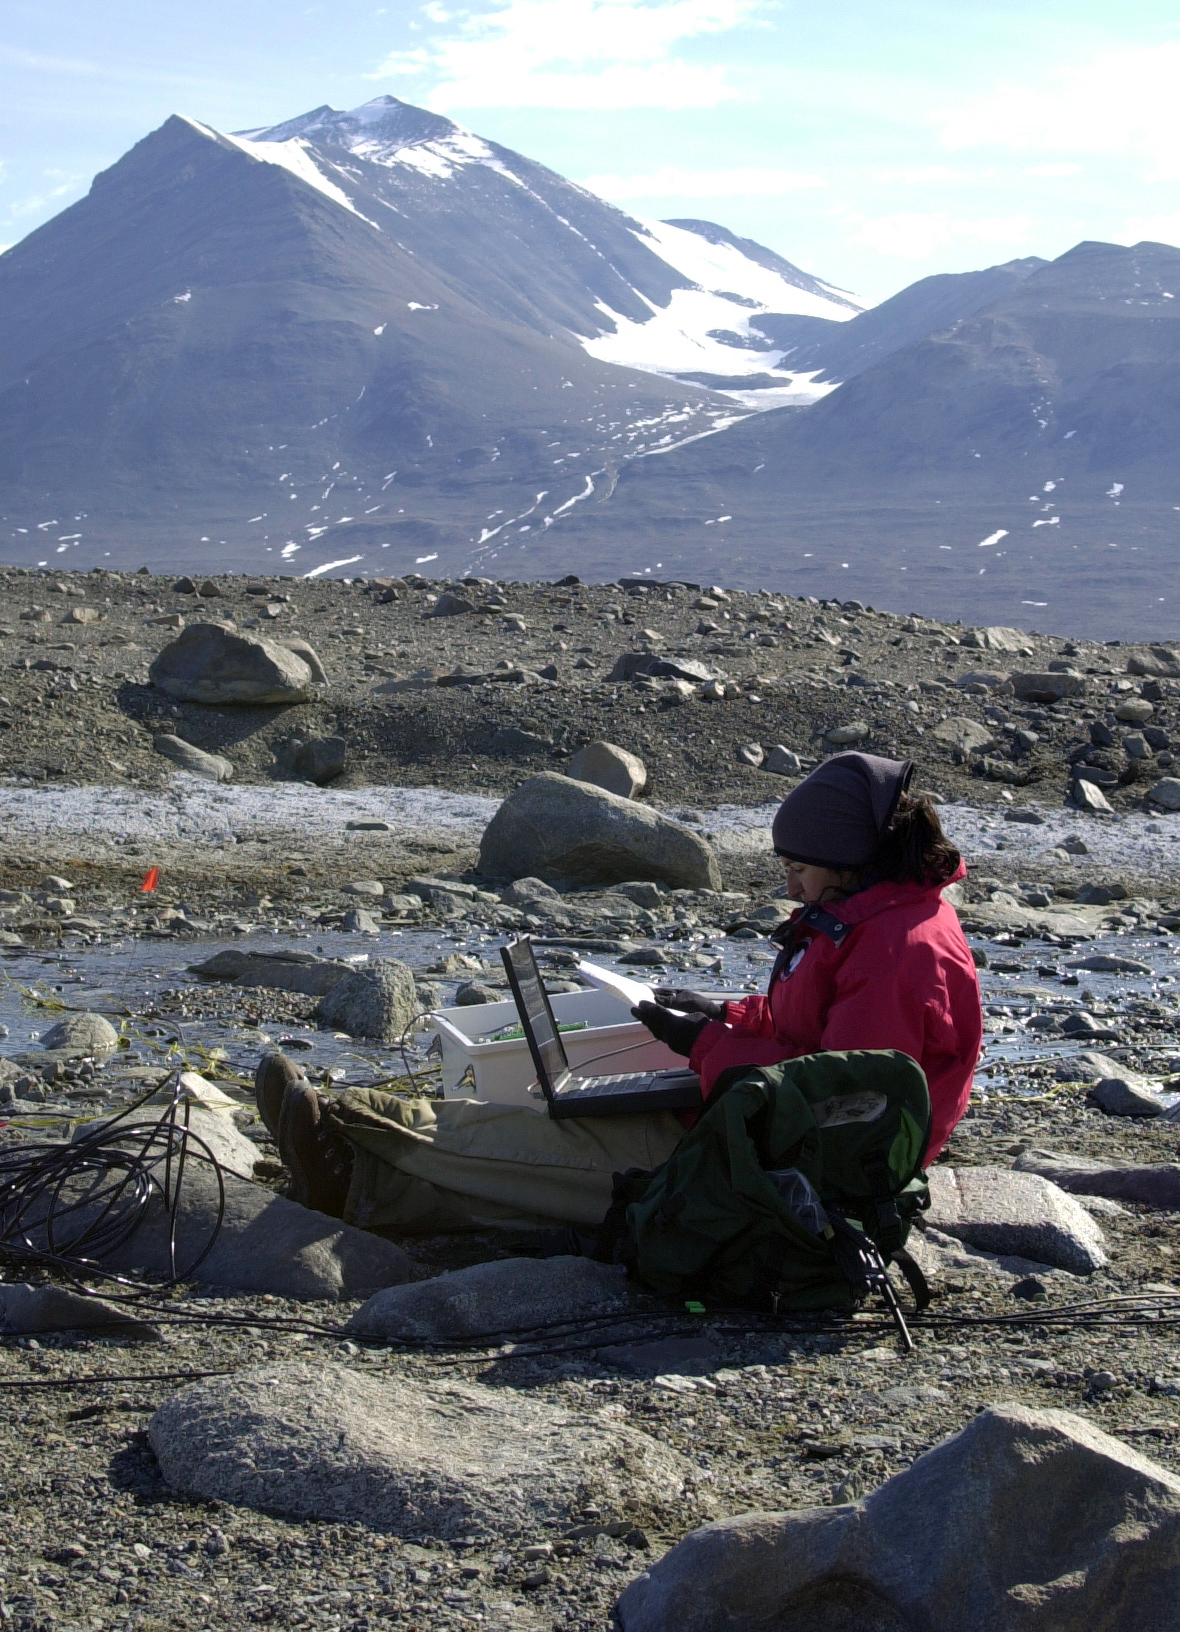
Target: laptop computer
(627, 1094)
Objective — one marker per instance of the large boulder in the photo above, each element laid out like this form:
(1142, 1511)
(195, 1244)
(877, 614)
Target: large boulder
(606, 766)
(1018, 1214)
(212, 767)
(216, 663)
(82, 1035)
(221, 1137)
(441, 1457)
(508, 1295)
(1152, 1184)
(264, 1244)
(1037, 686)
(378, 1000)
(1026, 1521)
(556, 827)
(281, 971)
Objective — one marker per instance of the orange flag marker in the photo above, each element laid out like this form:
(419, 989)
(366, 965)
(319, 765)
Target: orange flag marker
(150, 879)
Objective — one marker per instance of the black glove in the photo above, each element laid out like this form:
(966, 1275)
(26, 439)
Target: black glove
(669, 997)
(678, 1031)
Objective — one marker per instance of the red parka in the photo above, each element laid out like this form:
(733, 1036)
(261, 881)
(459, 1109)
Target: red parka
(886, 968)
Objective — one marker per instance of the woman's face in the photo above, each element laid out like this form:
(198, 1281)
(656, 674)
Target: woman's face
(813, 885)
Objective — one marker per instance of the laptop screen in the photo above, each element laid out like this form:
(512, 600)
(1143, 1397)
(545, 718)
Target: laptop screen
(536, 1016)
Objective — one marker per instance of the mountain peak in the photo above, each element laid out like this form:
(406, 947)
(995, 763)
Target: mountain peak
(385, 121)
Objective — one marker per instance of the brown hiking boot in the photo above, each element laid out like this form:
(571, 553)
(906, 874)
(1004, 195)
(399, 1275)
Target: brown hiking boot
(274, 1075)
(318, 1159)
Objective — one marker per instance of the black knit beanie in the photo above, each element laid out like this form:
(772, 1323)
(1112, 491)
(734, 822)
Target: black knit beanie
(836, 816)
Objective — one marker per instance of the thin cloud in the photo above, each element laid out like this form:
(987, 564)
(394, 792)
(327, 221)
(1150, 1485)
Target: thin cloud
(1152, 229)
(672, 183)
(1122, 102)
(574, 54)
(915, 236)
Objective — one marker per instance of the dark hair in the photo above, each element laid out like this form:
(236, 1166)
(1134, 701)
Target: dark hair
(913, 849)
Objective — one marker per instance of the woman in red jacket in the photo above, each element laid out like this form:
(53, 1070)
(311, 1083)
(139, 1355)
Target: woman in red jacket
(872, 958)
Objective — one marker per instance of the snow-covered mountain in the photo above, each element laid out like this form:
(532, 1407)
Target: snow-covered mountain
(363, 338)
(693, 315)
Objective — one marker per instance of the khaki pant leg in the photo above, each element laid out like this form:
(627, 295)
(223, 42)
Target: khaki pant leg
(435, 1165)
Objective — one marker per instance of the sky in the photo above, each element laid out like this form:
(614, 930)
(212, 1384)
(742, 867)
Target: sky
(870, 144)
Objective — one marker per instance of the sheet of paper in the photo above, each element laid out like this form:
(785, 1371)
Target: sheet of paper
(627, 991)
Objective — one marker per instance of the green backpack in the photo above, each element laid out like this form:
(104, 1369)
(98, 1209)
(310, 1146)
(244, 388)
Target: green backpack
(731, 1216)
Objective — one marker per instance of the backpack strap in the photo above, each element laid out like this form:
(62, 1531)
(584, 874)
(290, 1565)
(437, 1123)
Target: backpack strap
(915, 1280)
(889, 1232)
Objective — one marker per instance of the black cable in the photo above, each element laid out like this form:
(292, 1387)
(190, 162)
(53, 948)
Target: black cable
(70, 1206)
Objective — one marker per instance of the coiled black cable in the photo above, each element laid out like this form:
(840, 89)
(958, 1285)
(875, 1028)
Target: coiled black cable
(69, 1207)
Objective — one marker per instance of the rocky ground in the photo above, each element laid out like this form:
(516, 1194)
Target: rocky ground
(527, 679)
(768, 1415)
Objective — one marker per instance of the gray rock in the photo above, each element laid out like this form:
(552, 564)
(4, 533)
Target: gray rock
(376, 1001)
(1110, 963)
(321, 759)
(1121, 1096)
(628, 665)
(510, 739)
(1135, 711)
(474, 993)
(82, 1034)
(265, 1244)
(213, 767)
(510, 1294)
(606, 766)
(938, 1255)
(997, 639)
(370, 889)
(845, 736)
(1166, 793)
(1025, 1521)
(228, 1145)
(1086, 1066)
(282, 971)
(215, 663)
(642, 893)
(782, 762)
(679, 668)
(303, 649)
(1024, 813)
(751, 753)
(357, 921)
(1087, 796)
(1155, 1184)
(1015, 1213)
(450, 605)
(990, 680)
(957, 731)
(532, 892)
(555, 826)
(26, 1310)
(1048, 686)
(444, 1458)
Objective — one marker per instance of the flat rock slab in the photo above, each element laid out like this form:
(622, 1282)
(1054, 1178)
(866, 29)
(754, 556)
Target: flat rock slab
(1017, 1214)
(1154, 1184)
(510, 1295)
(446, 1459)
(264, 1243)
(1026, 1521)
(27, 1310)
(938, 1255)
(230, 1148)
(282, 972)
